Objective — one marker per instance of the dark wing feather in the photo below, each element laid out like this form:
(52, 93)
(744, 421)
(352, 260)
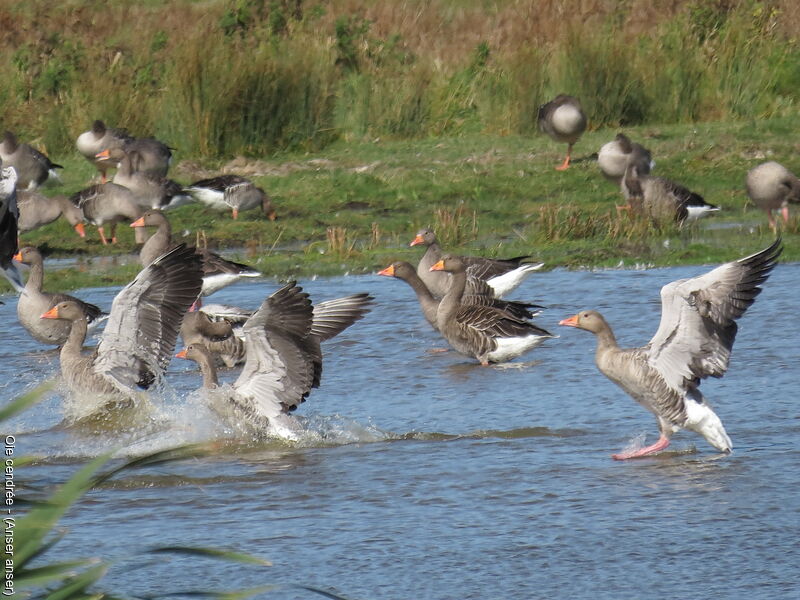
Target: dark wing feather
(334, 316)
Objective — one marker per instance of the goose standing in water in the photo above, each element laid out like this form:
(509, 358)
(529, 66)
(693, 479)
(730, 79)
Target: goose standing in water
(771, 187)
(37, 210)
(232, 192)
(564, 121)
(219, 328)
(34, 302)
(662, 200)
(615, 156)
(694, 341)
(483, 332)
(430, 304)
(139, 338)
(101, 140)
(502, 275)
(283, 363)
(33, 167)
(9, 214)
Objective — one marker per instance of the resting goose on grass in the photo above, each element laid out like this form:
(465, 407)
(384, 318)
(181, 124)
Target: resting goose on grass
(694, 341)
(663, 200)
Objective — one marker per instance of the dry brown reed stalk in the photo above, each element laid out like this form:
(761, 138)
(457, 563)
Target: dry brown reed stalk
(339, 243)
(455, 226)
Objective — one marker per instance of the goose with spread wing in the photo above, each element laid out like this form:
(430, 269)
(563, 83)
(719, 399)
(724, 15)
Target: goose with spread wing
(694, 341)
(283, 363)
(140, 335)
(486, 333)
(502, 275)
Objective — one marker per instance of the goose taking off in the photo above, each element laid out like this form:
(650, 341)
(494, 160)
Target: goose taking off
(771, 187)
(693, 341)
(139, 337)
(564, 121)
(502, 275)
(615, 156)
(33, 167)
(483, 332)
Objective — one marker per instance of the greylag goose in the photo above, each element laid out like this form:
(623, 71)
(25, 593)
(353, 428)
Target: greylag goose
(483, 332)
(502, 275)
(34, 302)
(615, 156)
(771, 186)
(563, 120)
(283, 364)
(231, 192)
(33, 167)
(37, 210)
(694, 341)
(101, 140)
(430, 304)
(8, 227)
(219, 327)
(662, 200)
(153, 156)
(149, 191)
(106, 203)
(139, 337)
(218, 272)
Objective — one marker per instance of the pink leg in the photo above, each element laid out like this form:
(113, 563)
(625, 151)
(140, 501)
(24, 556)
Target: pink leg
(102, 236)
(565, 165)
(662, 443)
(785, 213)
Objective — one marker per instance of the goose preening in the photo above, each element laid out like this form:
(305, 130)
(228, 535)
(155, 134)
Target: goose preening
(232, 192)
(218, 272)
(106, 203)
(153, 157)
(37, 210)
(8, 227)
(693, 341)
(430, 304)
(219, 327)
(615, 156)
(502, 275)
(101, 140)
(149, 190)
(483, 332)
(139, 337)
(283, 363)
(564, 121)
(33, 167)
(34, 302)
(662, 200)
(771, 187)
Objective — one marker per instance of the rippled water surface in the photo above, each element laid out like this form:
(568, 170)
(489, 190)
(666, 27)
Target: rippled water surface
(426, 476)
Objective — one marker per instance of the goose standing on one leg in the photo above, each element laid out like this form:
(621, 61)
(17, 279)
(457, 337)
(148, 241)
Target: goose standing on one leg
(563, 120)
(693, 341)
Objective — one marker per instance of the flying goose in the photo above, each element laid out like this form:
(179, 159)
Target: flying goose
(101, 140)
(106, 203)
(694, 341)
(283, 363)
(139, 338)
(502, 275)
(662, 200)
(219, 327)
(33, 167)
(615, 156)
(8, 227)
(563, 120)
(218, 272)
(232, 192)
(37, 210)
(771, 187)
(430, 304)
(34, 302)
(483, 332)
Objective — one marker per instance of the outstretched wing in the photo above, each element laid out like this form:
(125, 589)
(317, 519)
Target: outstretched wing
(698, 318)
(139, 338)
(334, 316)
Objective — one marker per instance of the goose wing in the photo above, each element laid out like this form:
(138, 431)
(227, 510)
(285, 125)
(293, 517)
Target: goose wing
(139, 338)
(698, 318)
(9, 215)
(334, 316)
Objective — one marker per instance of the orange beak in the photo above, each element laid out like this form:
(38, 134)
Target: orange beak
(79, 228)
(417, 240)
(571, 322)
(439, 266)
(388, 271)
(181, 354)
(138, 222)
(104, 155)
(17, 257)
(50, 314)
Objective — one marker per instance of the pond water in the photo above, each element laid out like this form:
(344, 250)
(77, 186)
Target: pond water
(427, 476)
